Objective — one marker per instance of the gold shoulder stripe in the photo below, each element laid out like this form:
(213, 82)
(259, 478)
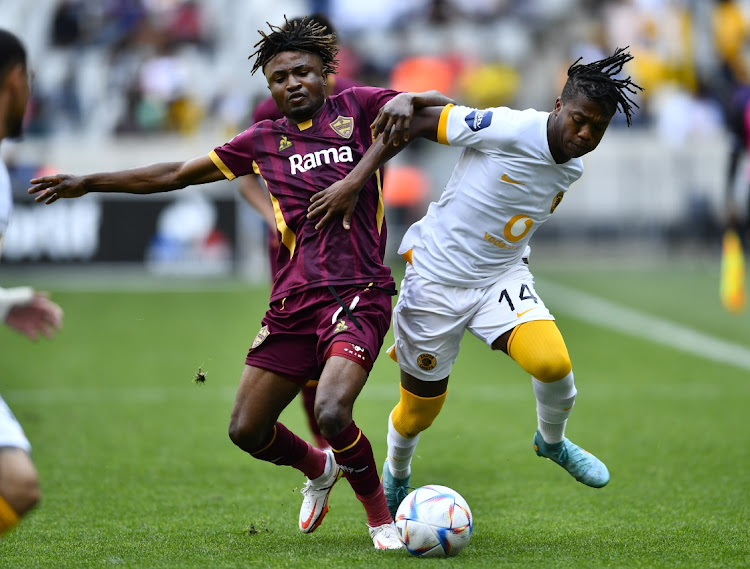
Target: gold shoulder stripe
(220, 165)
(255, 168)
(288, 238)
(442, 133)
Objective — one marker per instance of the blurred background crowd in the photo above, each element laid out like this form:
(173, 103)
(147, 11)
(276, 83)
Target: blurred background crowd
(118, 67)
(119, 82)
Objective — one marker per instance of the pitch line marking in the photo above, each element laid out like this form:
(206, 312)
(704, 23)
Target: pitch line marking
(600, 312)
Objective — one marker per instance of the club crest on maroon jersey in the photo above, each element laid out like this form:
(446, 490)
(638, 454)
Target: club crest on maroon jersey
(343, 126)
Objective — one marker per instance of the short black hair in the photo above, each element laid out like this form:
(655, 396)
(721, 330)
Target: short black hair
(305, 35)
(12, 52)
(597, 81)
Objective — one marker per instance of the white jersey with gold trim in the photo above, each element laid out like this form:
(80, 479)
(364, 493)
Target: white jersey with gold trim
(504, 186)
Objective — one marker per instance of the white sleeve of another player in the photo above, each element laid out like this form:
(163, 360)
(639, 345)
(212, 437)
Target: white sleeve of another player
(10, 297)
(483, 129)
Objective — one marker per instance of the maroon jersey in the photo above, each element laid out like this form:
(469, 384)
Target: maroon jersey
(267, 110)
(298, 160)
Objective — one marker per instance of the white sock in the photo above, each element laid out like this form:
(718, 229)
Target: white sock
(400, 451)
(554, 402)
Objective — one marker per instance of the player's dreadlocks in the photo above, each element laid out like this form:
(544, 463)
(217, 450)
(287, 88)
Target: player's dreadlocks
(303, 35)
(597, 81)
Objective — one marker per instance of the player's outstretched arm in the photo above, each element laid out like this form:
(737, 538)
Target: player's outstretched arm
(30, 312)
(163, 177)
(394, 118)
(341, 197)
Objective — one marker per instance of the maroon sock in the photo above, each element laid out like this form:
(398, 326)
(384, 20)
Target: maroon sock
(354, 455)
(287, 449)
(376, 508)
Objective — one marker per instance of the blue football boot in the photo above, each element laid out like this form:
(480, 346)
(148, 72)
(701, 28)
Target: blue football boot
(395, 489)
(580, 463)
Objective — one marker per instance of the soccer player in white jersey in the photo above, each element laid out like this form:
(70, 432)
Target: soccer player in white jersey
(466, 268)
(21, 308)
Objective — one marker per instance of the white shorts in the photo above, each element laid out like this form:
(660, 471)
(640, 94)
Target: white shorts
(430, 318)
(11, 433)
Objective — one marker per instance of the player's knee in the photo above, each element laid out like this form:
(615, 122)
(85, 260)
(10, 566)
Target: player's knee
(552, 368)
(538, 347)
(410, 425)
(414, 414)
(332, 417)
(246, 434)
(21, 490)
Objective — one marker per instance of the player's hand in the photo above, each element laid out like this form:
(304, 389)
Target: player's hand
(394, 119)
(52, 188)
(40, 316)
(336, 199)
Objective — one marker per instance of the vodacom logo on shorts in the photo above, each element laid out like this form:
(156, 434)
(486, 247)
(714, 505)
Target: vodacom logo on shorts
(517, 227)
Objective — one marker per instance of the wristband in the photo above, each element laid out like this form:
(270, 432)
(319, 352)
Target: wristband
(10, 297)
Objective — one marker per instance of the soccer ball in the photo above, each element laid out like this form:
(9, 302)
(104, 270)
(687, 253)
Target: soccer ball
(434, 521)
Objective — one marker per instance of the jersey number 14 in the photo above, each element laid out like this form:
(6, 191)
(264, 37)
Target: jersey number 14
(524, 294)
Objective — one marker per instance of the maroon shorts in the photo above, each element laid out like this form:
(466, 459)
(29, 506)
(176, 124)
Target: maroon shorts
(298, 331)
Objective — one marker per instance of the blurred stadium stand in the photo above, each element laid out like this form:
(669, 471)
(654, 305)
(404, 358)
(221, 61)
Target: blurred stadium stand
(121, 83)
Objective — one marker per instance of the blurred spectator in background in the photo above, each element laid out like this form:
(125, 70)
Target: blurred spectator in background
(659, 33)
(186, 25)
(501, 47)
(115, 23)
(730, 35)
(67, 23)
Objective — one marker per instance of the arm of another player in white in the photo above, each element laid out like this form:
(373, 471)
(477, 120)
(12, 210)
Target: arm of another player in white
(483, 129)
(29, 312)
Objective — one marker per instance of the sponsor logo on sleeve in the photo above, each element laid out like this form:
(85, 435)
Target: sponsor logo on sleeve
(477, 120)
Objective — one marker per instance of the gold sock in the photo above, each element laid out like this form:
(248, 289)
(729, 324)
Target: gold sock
(8, 517)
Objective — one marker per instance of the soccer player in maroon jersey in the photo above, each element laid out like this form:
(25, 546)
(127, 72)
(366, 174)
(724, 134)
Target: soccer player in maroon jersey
(330, 302)
(254, 192)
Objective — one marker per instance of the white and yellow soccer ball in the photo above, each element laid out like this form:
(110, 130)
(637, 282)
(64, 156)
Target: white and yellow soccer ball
(434, 521)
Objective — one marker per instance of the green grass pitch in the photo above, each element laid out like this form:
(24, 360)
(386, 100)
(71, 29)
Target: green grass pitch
(137, 470)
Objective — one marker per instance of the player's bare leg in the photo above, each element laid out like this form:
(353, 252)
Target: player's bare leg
(308, 403)
(19, 486)
(254, 427)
